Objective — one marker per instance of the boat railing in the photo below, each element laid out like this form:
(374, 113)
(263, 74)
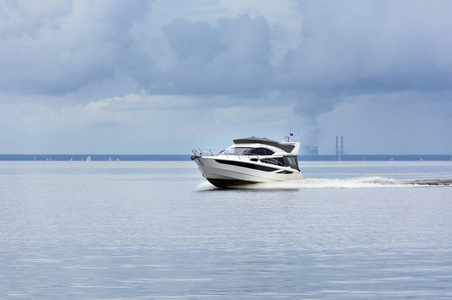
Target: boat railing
(204, 152)
(198, 152)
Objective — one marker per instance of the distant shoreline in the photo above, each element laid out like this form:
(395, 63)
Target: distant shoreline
(181, 157)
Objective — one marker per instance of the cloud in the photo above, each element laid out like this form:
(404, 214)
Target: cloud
(65, 46)
(129, 124)
(230, 58)
(345, 48)
(368, 46)
(323, 47)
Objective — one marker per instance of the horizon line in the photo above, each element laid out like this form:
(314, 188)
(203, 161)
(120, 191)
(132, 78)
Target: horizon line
(161, 154)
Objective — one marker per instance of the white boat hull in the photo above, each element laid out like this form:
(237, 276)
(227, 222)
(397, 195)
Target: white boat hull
(223, 172)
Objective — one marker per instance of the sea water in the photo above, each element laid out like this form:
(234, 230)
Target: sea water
(158, 230)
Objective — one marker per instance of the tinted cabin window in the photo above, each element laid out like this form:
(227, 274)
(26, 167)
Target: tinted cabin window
(292, 160)
(260, 151)
(273, 161)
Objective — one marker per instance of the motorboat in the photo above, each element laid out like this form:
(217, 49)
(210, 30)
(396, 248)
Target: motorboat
(250, 160)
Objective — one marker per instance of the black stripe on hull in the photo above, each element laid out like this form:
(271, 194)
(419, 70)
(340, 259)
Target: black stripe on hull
(246, 165)
(224, 183)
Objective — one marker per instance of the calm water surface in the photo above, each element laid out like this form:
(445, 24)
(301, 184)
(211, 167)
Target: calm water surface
(157, 230)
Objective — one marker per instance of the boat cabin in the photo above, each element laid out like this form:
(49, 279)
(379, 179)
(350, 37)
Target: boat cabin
(263, 155)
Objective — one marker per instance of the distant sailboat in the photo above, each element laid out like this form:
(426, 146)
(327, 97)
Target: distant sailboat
(88, 158)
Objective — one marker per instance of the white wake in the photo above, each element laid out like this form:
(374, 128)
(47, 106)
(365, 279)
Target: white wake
(327, 183)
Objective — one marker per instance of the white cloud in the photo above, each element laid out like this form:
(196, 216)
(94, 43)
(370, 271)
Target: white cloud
(137, 123)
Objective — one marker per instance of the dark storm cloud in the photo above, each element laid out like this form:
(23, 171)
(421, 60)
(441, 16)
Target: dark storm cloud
(352, 48)
(65, 46)
(372, 46)
(231, 57)
(345, 47)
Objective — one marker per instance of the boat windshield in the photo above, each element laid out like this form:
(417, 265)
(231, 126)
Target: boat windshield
(234, 151)
(242, 150)
(246, 151)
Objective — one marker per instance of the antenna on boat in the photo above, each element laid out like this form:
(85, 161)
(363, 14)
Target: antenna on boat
(277, 135)
(298, 138)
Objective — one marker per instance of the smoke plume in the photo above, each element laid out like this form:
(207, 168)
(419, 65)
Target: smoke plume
(309, 108)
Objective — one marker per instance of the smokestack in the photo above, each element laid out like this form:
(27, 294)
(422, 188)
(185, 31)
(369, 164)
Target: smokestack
(337, 145)
(342, 145)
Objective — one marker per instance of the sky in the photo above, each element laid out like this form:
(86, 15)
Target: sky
(162, 77)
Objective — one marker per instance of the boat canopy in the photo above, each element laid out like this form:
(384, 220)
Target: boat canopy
(255, 140)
